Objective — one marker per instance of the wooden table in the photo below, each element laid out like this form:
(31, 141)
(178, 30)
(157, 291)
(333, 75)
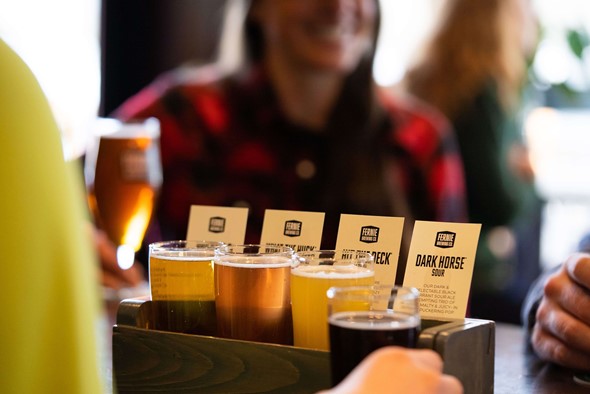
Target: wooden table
(518, 370)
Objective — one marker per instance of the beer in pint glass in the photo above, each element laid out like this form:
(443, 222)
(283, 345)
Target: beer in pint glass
(123, 177)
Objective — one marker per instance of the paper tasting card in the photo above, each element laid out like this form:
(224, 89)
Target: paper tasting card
(211, 223)
(299, 230)
(379, 235)
(440, 265)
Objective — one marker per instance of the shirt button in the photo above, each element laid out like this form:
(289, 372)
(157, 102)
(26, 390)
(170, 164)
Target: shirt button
(305, 169)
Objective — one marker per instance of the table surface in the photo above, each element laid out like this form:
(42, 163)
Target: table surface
(517, 370)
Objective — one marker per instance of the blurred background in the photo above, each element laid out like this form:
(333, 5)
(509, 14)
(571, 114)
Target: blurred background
(91, 55)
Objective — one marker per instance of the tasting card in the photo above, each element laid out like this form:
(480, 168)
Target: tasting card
(222, 224)
(379, 235)
(299, 230)
(440, 265)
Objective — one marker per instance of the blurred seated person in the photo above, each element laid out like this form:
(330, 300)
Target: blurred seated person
(473, 69)
(299, 125)
(49, 296)
(557, 312)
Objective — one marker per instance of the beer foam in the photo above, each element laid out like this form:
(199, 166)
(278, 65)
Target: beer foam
(332, 272)
(372, 320)
(185, 257)
(256, 262)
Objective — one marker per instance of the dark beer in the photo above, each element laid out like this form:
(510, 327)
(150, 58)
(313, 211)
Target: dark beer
(353, 335)
(188, 317)
(253, 300)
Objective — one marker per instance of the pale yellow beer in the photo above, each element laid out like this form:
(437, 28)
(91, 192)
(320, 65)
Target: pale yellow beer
(252, 294)
(182, 286)
(123, 177)
(310, 281)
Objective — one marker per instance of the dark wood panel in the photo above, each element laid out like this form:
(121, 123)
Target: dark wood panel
(150, 361)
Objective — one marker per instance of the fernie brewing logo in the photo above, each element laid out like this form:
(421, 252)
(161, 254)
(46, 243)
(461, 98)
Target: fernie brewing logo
(445, 239)
(217, 224)
(369, 234)
(292, 228)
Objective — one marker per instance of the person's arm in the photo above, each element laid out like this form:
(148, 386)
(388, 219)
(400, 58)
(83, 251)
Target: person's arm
(560, 330)
(399, 370)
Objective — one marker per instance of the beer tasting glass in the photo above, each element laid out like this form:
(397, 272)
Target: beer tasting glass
(315, 272)
(364, 318)
(181, 286)
(123, 173)
(252, 293)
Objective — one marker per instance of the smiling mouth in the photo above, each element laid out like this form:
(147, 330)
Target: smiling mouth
(333, 32)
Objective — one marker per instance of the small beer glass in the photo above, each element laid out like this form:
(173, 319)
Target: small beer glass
(252, 295)
(182, 286)
(364, 318)
(311, 278)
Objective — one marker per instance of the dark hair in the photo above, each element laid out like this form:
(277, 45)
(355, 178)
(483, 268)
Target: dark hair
(355, 131)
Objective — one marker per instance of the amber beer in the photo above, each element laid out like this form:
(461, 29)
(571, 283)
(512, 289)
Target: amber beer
(182, 287)
(123, 176)
(252, 293)
(316, 272)
(365, 318)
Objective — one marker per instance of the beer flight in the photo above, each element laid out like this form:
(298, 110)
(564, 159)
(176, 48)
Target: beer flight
(323, 299)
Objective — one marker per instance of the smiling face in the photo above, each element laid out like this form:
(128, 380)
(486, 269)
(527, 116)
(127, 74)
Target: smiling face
(329, 35)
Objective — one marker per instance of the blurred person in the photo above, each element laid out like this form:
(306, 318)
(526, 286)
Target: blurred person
(473, 69)
(556, 312)
(299, 124)
(49, 297)
(401, 371)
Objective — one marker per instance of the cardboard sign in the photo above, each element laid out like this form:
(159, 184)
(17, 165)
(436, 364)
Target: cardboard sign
(210, 223)
(440, 265)
(297, 229)
(379, 235)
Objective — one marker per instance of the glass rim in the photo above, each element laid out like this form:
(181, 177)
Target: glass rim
(255, 250)
(337, 255)
(184, 245)
(372, 291)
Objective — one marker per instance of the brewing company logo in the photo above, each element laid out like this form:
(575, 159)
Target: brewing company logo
(217, 224)
(292, 228)
(369, 234)
(445, 239)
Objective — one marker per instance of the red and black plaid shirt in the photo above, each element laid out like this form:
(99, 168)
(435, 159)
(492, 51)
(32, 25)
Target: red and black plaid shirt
(233, 146)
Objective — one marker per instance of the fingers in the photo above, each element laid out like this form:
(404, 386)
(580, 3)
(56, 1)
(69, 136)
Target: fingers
(551, 317)
(578, 268)
(450, 384)
(549, 347)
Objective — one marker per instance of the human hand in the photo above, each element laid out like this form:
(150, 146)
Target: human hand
(113, 276)
(399, 370)
(561, 333)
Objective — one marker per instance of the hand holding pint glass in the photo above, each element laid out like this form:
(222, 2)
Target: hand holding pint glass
(123, 175)
(252, 296)
(365, 318)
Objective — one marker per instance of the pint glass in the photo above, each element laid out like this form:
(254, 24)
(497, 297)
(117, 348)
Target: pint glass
(252, 293)
(123, 177)
(182, 287)
(311, 278)
(363, 319)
